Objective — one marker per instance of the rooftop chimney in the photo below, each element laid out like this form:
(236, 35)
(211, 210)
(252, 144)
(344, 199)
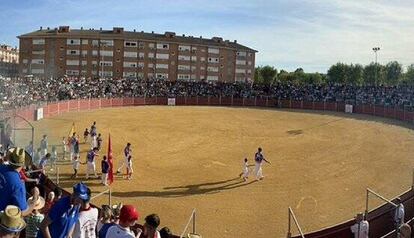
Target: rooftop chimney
(169, 34)
(41, 28)
(63, 29)
(152, 32)
(235, 41)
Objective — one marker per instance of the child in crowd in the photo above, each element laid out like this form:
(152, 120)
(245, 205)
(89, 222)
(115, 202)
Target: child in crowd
(105, 170)
(106, 215)
(49, 202)
(35, 218)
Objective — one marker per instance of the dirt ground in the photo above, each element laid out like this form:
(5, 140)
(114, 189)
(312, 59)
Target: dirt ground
(190, 157)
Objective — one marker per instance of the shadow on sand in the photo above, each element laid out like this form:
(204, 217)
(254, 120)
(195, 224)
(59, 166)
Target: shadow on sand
(188, 190)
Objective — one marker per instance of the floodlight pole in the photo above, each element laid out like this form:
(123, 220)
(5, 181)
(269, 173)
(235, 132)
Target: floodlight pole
(376, 49)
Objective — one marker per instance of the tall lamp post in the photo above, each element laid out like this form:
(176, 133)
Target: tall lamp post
(376, 49)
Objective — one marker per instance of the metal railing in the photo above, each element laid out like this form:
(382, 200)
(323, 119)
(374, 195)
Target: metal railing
(291, 214)
(108, 191)
(192, 218)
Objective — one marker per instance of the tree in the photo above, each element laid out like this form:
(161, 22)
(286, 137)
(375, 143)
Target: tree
(409, 75)
(268, 74)
(354, 74)
(337, 73)
(393, 71)
(374, 74)
(257, 76)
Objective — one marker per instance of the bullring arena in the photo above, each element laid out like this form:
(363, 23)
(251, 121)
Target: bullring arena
(190, 157)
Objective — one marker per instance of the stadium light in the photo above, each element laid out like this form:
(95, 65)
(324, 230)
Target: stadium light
(376, 49)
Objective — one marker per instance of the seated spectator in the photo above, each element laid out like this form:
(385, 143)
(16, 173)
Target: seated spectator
(405, 231)
(361, 228)
(128, 217)
(88, 217)
(49, 202)
(116, 212)
(106, 215)
(58, 193)
(35, 219)
(12, 190)
(151, 224)
(64, 214)
(11, 222)
(399, 213)
(165, 232)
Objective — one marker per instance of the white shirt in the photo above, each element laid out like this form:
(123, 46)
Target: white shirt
(363, 229)
(117, 231)
(399, 214)
(76, 164)
(246, 167)
(85, 227)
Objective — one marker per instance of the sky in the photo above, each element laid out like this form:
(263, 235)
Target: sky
(289, 34)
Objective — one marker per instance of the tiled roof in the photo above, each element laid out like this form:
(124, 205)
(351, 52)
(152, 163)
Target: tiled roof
(92, 33)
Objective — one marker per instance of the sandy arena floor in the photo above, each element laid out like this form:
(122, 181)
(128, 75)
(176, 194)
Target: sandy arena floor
(190, 157)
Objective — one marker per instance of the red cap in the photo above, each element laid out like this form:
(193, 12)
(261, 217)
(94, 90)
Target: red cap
(128, 213)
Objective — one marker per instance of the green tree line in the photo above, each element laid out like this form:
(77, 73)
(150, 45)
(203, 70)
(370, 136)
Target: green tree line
(353, 74)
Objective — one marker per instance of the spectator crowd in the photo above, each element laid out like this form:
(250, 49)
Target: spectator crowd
(18, 92)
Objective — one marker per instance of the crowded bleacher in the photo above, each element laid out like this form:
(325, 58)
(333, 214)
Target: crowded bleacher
(54, 215)
(18, 92)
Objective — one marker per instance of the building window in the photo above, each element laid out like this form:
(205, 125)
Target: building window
(213, 60)
(141, 45)
(162, 66)
(163, 46)
(106, 53)
(184, 57)
(25, 61)
(73, 41)
(241, 53)
(212, 78)
(193, 58)
(85, 42)
(72, 62)
(94, 52)
(95, 42)
(38, 41)
(212, 69)
(184, 48)
(213, 50)
(38, 61)
(130, 65)
(141, 56)
(183, 67)
(130, 54)
(130, 44)
(38, 52)
(38, 71)
(72, 52)
(151, 46)
(107, 42)
(151, 55)
(105, 63)
(241, 62)
(162, 76)
(183, 76)
(84, 62)
(162, 56)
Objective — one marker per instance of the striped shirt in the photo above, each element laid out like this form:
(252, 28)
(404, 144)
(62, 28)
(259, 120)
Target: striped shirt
(33, 223)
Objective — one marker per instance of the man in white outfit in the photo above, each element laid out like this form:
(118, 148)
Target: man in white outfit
(259, 158)
(361, 227)
(127, 154)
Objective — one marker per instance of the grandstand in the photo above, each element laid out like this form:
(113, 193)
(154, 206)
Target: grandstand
(83, 95)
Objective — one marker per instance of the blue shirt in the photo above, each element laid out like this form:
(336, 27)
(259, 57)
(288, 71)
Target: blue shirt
(63, 216)
(105, 166)
(258, 157)
(91, 156)
(104, 230)
(12, 190)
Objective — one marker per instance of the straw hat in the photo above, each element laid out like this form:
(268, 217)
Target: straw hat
(16, 156)
(11, 219)
(38, 202)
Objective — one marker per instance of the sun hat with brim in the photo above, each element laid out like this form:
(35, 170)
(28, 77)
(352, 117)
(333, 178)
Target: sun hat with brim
(16, 156)
(11, 219)
(39, 203)
(80, 190)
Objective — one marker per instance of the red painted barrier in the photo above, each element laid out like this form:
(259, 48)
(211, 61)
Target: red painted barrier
(380, 218)
(106, 102)
(180, 101)
(296, 104)
(203, 101)
(214, 101)
(238, 102)
(84, 105)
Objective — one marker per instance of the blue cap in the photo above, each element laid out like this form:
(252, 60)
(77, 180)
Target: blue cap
(81, 191)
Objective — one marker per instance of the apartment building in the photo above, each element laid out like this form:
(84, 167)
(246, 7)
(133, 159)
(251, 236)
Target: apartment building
(117, 53)
(9, 59)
